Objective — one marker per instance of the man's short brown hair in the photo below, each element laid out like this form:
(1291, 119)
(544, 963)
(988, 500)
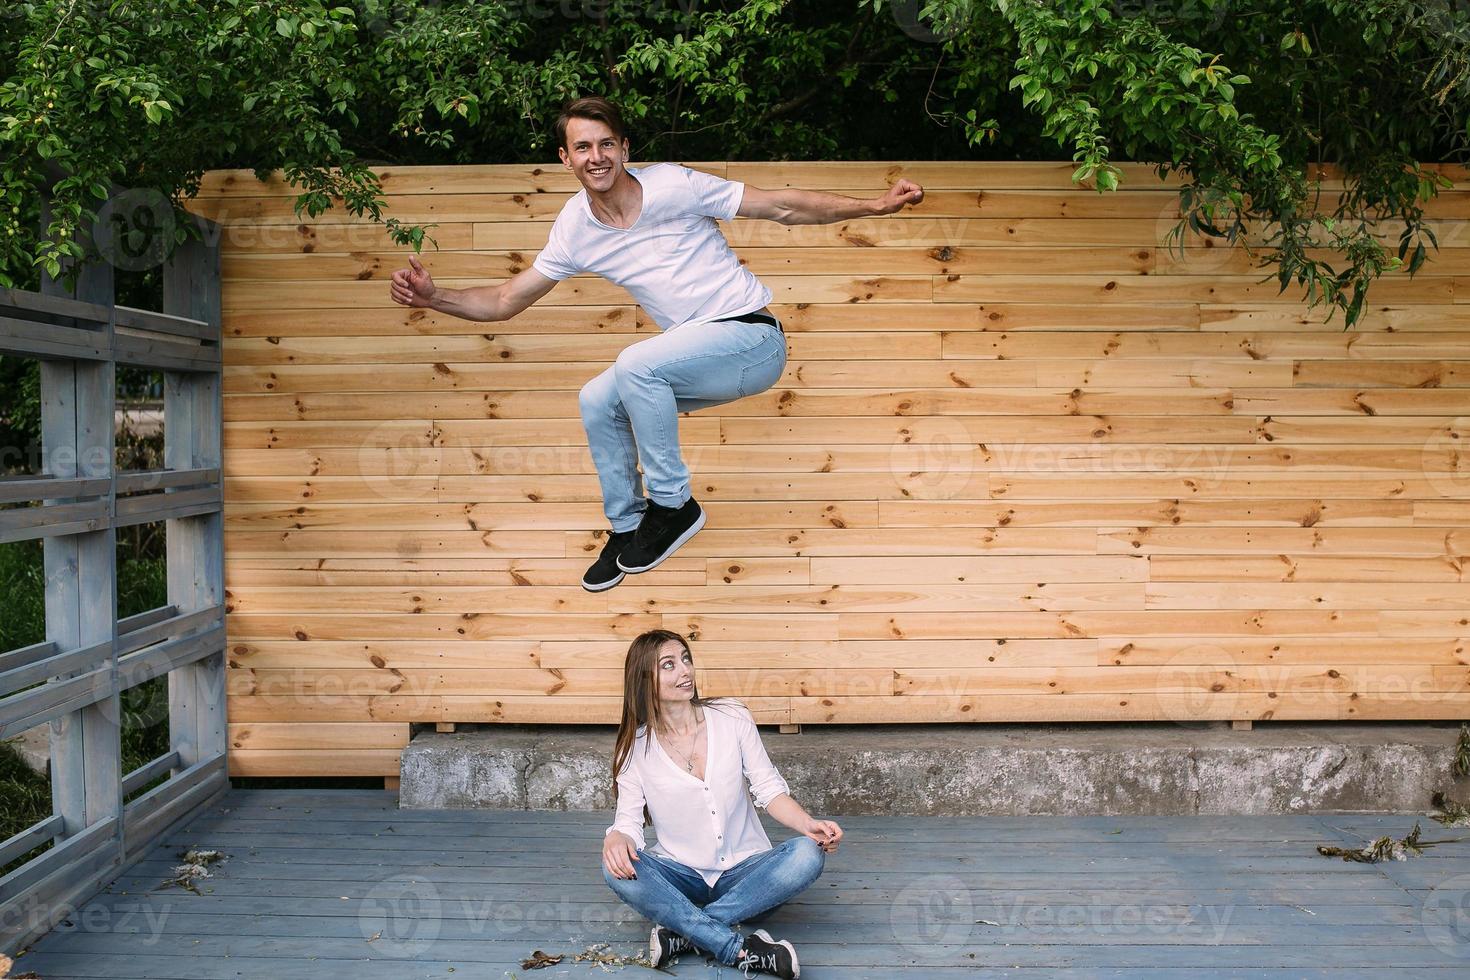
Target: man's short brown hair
(591, 107)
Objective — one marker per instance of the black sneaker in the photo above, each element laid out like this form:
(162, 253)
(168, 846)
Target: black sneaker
(767, 955)
(660, 534)
(665, 946)
(605, 573)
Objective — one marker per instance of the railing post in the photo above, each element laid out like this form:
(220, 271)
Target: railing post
(192, 414)
(77, 439)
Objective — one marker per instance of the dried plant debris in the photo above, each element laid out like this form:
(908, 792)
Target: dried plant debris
(1384, 848)
(603, 956)
(1461, 766)
(196, 865)
(1451, 813)
(599, 953)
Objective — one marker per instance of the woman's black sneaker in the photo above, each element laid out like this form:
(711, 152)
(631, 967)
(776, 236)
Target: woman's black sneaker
(660, 534)
(766, 955)
(605, 573)
(666, 945)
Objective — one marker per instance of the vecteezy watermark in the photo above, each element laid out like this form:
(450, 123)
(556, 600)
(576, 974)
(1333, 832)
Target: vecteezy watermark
(933, 458)
(397, 461)
(1445, 917)
(1444, 458)
(1210, 13)
(133, 229)
(399, 916)
(135, 918)
(1022, 920)
(930, 913)
(929, 23)
(1198, 685)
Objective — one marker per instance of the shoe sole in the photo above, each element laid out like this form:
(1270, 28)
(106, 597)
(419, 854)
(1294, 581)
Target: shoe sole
(605, 585)
(678, 543)
(653, 949)
(795, 963)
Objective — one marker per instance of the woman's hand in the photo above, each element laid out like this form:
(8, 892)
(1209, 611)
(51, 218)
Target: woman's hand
(825, 832)
(412, 287)
(618, 854)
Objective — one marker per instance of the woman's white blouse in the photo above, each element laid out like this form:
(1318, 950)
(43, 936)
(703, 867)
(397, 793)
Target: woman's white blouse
(706, 824)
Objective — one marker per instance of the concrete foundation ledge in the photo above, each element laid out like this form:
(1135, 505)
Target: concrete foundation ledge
(958, 770)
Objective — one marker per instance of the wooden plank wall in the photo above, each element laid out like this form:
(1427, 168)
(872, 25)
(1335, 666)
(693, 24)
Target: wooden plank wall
(1026, 464)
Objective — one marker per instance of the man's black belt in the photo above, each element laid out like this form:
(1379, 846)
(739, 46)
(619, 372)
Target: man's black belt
(760, 317)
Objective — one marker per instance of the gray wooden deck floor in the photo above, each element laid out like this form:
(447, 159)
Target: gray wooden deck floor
(326, 884)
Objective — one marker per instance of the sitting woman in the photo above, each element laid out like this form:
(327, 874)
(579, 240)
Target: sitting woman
(678, 755)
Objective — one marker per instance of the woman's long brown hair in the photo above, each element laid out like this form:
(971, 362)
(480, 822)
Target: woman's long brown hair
(640, 697)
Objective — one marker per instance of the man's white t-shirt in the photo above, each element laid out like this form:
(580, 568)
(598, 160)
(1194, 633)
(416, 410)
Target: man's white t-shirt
(673, 260)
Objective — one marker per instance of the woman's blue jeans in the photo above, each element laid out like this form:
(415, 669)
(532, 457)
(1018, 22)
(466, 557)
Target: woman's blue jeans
(676, 897)
(631, 410)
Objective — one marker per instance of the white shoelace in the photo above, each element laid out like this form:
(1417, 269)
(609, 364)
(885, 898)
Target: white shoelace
(757, 961)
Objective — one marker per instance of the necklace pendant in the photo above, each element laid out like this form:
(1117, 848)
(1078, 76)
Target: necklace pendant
(689, 766)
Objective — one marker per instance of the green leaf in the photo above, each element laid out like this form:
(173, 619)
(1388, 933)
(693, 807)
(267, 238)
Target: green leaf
(283, 27)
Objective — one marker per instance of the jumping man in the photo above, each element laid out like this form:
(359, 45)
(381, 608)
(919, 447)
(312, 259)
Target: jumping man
(652, 230)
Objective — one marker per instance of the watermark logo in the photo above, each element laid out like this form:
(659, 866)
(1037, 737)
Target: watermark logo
(934, 460)
(1445, 458)
(399, 916)
(133, 229)
(1445, 917)
(930, 23)
(931, 913)
(1198, 685)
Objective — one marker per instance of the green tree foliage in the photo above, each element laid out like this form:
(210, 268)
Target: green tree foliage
(1235, 96)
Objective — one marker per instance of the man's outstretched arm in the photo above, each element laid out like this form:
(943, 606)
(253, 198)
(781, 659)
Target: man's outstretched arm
(415, 287)
(793, 206)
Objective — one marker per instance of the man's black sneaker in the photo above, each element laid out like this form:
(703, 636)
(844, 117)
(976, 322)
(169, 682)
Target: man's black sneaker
(766, 955)
(666, 945)
(605, 573)
(660, 534)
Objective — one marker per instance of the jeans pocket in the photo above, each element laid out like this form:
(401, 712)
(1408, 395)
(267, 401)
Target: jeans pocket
(757, 377)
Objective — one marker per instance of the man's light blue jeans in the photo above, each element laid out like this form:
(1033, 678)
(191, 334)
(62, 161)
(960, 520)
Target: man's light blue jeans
(677, 898)
(631, 410)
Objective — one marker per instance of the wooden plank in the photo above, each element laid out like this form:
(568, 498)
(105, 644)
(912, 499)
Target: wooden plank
(422, 322)
(1302, 345)
(1141, 706)
(263, 737)
(1396, 318)
(799, 260)
(562, 654)
(303, 761)
(510, 346)
(77, 407)
(1160, 204)
(1162, 512)
(536, 515)
(941, 433)
(1365, 542)
(580, 291)
(1180, 652)
(506, 178)
(391, 472)
(634, 599)
(1303, 568)
(444, 571)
